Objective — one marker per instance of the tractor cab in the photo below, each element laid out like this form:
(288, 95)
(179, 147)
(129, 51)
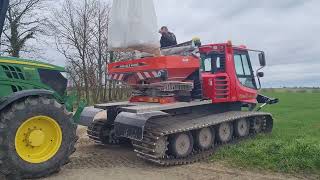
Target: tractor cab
(18, 74)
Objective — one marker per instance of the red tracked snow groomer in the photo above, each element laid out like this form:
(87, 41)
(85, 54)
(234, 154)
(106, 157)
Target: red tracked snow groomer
(185, 103)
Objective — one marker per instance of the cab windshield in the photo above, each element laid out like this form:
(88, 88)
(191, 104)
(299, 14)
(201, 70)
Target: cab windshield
(244, 69)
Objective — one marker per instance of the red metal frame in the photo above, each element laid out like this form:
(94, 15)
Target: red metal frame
(220, 87)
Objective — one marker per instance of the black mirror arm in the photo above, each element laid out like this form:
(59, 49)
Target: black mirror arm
(259, 77)
(259, 83)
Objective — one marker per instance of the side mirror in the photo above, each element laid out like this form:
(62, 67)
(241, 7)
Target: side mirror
(260, 74)
(262, 59)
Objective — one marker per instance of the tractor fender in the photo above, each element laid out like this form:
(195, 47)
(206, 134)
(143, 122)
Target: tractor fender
(131, 125)
(4, 102)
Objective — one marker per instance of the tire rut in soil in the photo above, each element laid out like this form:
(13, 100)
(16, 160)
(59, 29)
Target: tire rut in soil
(100, 162)
(99, 158)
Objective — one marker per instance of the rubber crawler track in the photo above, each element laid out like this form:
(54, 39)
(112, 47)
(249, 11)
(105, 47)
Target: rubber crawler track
(94, 132)
(156, 129)
(99, 132)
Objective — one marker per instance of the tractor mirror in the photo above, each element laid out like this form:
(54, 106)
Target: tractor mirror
(262, 59)
(260, 74)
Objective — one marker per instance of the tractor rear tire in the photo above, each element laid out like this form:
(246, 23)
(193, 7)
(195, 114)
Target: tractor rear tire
(37, 137)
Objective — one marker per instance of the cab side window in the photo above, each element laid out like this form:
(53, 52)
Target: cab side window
(207, 65)
(238, 64)
(246, 66)
(213, 62)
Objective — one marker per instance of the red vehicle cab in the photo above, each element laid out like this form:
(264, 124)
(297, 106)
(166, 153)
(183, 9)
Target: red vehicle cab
(227, 73)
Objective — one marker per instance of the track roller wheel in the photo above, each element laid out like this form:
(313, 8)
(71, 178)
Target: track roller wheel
(204, 138)
(225, 132)
(181, 144)
(257, 125)
(241, 127)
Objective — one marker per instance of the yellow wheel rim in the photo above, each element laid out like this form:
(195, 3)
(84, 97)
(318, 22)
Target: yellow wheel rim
(38, 139)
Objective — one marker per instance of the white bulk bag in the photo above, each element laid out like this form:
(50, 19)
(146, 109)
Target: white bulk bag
(134, 26)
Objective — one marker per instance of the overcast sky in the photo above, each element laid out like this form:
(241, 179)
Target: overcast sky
(287, 30)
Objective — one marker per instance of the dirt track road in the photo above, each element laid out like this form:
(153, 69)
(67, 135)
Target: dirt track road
(94, 162)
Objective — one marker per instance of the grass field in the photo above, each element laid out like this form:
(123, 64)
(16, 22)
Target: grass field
(293, 146)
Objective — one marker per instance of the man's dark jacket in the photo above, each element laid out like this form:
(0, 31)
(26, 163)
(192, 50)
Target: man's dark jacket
(168, 39)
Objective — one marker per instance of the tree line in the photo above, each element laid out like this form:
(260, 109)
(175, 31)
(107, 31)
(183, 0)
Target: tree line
(80, 33)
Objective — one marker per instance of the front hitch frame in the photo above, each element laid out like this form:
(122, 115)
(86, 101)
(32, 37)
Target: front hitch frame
(265, 100)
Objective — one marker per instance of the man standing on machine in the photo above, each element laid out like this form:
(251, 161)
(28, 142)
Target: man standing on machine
(168, 38)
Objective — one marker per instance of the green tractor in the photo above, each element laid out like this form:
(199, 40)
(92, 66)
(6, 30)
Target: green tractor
(37, 132)
(37, 129)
